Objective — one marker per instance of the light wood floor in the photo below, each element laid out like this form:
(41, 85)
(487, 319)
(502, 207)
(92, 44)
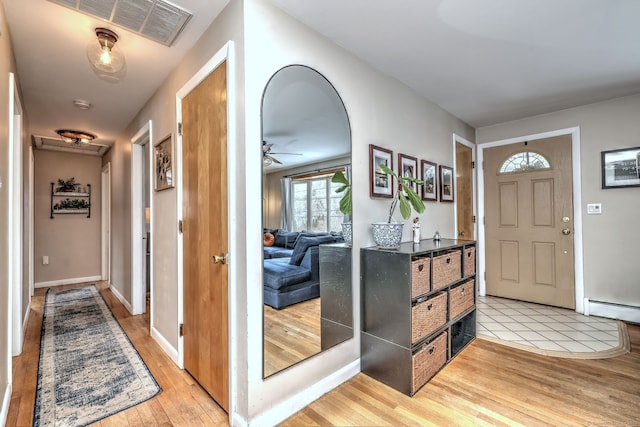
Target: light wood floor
(487, 384)
(182, 401)
(290, 335)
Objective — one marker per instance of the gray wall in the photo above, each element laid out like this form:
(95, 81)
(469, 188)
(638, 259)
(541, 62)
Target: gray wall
(71, 241)
(611, 264)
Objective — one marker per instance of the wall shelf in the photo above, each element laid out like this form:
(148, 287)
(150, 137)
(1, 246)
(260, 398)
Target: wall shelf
(59, 198)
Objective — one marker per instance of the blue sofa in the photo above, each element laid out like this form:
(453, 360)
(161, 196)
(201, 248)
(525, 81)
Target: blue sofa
(294, 278)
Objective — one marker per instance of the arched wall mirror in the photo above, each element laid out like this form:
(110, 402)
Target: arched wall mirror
(307, 289)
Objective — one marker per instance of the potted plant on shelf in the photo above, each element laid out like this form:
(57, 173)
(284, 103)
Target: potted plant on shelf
(345, 204)
(389, 234)
(67, 186)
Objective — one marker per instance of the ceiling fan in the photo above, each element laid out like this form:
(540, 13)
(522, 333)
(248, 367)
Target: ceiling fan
(267, 155)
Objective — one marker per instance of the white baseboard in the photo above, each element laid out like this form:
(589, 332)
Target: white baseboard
(6, 400)
(626, 313)
(121, 298)
(165, 345)
(284, 410)
(67, 281)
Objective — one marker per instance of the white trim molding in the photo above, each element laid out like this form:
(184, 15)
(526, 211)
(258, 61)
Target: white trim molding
(283, 410)
(121, 298)
(627, 313)
(71, 281)
(6, 401)
(164, 344)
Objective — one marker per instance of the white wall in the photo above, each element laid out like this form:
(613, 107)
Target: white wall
(611, 267)
(381, 111)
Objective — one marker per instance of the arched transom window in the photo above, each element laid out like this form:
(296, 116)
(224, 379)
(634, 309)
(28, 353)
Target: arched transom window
(524, 161)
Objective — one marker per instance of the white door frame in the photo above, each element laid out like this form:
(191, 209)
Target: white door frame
(226, 53)
(15, 231)
(105, 225)
(463, 141)
(577, 203)
(140, 141)
(31, 222)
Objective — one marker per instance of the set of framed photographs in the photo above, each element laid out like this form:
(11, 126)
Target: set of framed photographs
(436, 180)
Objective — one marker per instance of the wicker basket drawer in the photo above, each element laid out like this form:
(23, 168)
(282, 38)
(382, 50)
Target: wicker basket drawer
(420, 279)
(427, 361)
(469, 260)
(428, 315)
(446, 269)
(461, 298)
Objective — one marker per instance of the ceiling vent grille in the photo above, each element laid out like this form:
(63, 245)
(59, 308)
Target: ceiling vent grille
(155, 19)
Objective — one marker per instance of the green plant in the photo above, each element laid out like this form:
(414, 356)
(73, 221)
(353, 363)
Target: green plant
(68, 185)
(407, 197)
(345, 202)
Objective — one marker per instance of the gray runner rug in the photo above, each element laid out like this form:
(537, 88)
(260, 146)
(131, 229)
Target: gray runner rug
(88, 368)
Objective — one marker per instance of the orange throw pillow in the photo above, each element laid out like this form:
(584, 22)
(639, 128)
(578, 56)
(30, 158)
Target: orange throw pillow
(269, 239)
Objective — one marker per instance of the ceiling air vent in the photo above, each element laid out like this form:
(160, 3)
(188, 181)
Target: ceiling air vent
(155, 19)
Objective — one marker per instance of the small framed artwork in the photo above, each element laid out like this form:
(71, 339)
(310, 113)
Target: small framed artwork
(164, 164)
(380, 184)
(446, 184)
(430, 178)
(408, 167)
(621, 168)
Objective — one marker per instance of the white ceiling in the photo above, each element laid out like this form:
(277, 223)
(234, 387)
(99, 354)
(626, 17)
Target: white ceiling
(490, 61)
(484, 61)
(50, 44)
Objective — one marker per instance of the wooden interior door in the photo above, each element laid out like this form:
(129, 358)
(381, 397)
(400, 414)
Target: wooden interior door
(529, 224)
(205, 233)
(464, 192)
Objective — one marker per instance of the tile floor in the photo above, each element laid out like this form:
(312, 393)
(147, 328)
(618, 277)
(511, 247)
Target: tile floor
(544, 327)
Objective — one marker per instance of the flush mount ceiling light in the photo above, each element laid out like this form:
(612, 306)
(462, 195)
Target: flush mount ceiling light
(106, 59)
(75, 136)
(82, 104)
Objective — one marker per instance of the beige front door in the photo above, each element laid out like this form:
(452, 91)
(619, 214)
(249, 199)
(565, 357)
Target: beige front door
(206, 311)
(529, 221)
(464, 191)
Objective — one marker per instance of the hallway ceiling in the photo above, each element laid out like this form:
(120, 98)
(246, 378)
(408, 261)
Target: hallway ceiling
(50, 43)
(486, 62)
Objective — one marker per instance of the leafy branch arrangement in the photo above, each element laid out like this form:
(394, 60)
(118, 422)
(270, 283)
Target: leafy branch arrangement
(66, 186)
(407, 197)
(72, 204)
(345, 202)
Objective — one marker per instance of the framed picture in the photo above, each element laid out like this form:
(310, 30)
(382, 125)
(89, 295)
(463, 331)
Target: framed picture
(621, 168)
(380, 184)
(430, 178)
(408, 167)
(446, 184)
(164, 164)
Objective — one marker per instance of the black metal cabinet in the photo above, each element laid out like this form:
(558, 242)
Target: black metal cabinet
(336, 308)
(411, 328)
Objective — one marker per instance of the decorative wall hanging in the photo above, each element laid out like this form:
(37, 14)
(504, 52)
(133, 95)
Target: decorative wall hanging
(430, 178)
(446, 184)
(380, 184)
(164, 164)
(408, 168)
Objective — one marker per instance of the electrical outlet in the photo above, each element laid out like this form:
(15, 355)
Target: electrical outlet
(45, 260)
(594, 208)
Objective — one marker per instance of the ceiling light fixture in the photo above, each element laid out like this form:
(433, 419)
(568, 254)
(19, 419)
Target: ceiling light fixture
(82, 104)
(106, 60)
(267, 161)
(75, 136)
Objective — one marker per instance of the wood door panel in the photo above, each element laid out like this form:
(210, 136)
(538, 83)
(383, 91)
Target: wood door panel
(544, 268)
(464, 192)
(524, 221)
(508, 204)
(205, 233)
(543, 209)
(509, 261)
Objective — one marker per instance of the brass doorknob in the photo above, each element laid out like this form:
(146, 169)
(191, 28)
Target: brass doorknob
(461, 233)
(222, 258)
(566, 231)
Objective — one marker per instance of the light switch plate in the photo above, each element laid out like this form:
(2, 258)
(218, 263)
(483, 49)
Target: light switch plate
(594, 208)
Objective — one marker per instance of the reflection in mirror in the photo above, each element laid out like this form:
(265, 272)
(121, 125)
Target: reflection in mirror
(306, 138)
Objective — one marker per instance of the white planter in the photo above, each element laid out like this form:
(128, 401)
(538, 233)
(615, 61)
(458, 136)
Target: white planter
(387, 235)
(347, 233)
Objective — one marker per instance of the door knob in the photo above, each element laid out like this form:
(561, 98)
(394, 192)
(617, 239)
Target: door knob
(566, 231)
(461, 233)
(222, 258)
